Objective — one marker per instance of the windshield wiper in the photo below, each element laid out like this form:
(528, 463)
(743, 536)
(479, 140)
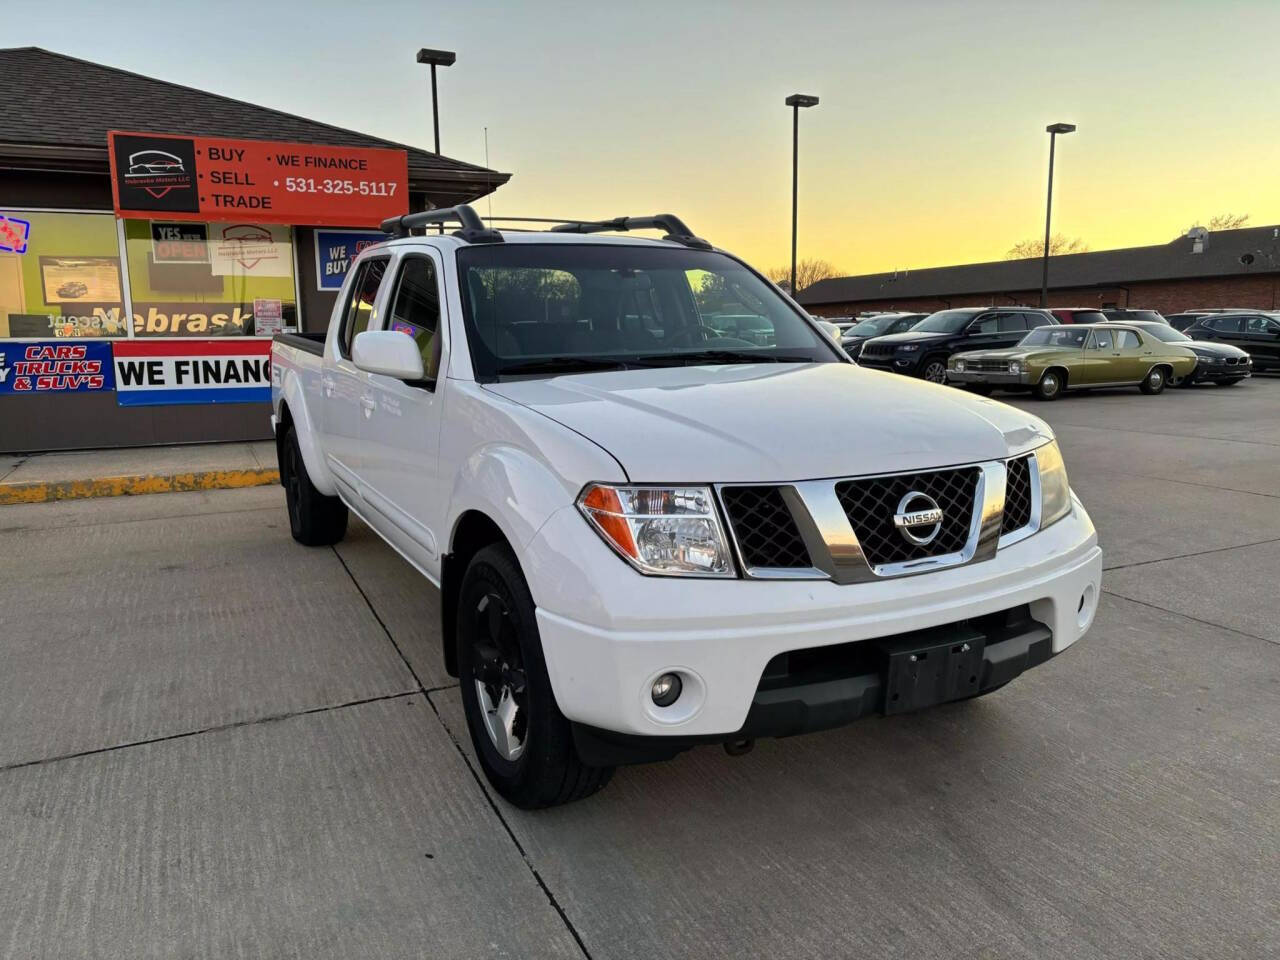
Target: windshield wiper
(564, 365)
(726, 356)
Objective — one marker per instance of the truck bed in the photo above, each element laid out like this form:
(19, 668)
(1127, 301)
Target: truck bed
(308, 342)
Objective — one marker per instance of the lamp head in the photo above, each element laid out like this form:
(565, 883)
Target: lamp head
(1060, 128)
(802, 100)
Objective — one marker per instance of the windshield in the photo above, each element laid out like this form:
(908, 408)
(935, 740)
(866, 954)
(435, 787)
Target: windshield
(871, 327)
(553, 307)
(1056, 336)
(1162, 331)
(1148, 316)
(944, 321)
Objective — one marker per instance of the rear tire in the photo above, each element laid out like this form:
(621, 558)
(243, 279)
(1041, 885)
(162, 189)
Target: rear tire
(314, 519)
(1154, 382)
(523, 741)
(1050, 385)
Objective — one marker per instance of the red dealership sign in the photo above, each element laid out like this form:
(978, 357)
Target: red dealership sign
(157, 176)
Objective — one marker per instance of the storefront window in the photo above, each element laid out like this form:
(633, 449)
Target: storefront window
(210, 279)
(60, 276)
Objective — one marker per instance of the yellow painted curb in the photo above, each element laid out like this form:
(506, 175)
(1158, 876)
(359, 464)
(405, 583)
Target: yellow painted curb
(43, 491)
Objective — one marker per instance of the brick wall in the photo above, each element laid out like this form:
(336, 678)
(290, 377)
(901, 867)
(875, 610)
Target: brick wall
(1259, 291)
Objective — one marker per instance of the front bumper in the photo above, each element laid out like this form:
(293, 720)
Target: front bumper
(896, 363)
(1212, 372)
(721, 635)
(993, 378)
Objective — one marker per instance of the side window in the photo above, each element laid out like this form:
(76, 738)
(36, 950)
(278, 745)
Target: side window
(1036, 320)
(1100, 340)
(988, 324)
(1126, 339)
(1225, 324)
(416, 310)
(1010, 322)
(1257, 325)
(364, 291)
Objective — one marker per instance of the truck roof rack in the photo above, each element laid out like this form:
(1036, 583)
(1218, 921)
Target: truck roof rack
(675, 227)
(473, 229)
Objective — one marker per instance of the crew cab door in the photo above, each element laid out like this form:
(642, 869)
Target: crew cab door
(344, 387)
(401, 427)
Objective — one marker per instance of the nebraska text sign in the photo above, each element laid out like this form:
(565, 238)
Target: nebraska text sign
(213, 178)
(192, 371)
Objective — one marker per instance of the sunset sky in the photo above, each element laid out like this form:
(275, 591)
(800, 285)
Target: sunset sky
(928, 147)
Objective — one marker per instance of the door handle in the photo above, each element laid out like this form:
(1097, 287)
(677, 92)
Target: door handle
(326, 383)
(369, 405)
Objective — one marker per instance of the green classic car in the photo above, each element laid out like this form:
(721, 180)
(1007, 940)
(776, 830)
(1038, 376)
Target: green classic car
(1050, 360)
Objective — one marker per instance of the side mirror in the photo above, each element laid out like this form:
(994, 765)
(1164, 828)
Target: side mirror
(388, 352)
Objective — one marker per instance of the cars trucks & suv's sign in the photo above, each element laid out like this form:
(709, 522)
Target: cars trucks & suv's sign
(215, 178)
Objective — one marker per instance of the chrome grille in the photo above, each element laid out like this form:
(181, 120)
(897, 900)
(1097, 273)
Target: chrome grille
(1017, 495)
(764, 527)
(987, 366)
(870, 504)
(878, 349)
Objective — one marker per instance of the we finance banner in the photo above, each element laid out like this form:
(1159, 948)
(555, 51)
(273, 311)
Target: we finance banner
(192, 371)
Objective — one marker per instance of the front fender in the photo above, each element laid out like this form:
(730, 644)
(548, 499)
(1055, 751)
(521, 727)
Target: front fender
(294, 397)
(512, 487)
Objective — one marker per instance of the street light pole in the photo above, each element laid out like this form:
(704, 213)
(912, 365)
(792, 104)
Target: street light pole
(1053, 130)
(795, 102)
(436, 58)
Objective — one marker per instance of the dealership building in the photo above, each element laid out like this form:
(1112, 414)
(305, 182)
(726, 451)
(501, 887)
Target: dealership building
(153, 237)
(1226, 268)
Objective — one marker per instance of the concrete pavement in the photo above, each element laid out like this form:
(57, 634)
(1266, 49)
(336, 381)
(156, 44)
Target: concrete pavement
(217, 742)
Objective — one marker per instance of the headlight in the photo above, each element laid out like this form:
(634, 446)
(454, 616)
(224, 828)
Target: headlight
(1015, 366)
(908, 347)
(668, 531)
(1055, 494)
(959, 365)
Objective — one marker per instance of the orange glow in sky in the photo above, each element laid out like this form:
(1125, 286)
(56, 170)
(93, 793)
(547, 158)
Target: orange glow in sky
(928, 147)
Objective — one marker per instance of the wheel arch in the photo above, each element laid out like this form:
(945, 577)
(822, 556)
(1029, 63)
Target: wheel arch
(294, 413)
(473, 531)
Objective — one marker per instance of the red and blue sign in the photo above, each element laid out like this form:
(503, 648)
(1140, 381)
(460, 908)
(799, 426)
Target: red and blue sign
(14, 234)
(162, 372)
(61, 366)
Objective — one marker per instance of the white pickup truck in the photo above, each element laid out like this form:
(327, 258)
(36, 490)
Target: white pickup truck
(649, 530)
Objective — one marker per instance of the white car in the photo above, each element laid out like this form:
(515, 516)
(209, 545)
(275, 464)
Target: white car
(643, 538)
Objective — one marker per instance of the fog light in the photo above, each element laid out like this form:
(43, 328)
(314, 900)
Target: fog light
(666, 690)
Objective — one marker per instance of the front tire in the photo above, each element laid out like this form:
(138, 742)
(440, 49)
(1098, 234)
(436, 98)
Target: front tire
(1154, 382)
(314, 519)
(523, 741)
(935, 371)
(1050, 385)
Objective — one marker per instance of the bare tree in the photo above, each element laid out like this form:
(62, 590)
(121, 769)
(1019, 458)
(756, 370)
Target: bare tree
(1223, 221)
(808, 272)
(1058, 244)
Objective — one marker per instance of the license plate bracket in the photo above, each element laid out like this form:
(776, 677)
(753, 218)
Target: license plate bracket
(931, 667)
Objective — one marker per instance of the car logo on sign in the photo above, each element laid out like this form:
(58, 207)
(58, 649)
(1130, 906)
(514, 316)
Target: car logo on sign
(919, 518)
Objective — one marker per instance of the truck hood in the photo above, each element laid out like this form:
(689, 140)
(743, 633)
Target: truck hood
(756, 423)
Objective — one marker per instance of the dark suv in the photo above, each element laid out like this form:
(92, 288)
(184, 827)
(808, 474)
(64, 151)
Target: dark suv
(1256, 333)
(923, 351)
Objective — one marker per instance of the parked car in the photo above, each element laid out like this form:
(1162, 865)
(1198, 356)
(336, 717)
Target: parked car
(880, 325)
(1180, 321)
(1218, 363)
(1125, 315)
(1257, 333)
(1053, 359)
(1078, 315)
(643, 538)
(924, 349)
